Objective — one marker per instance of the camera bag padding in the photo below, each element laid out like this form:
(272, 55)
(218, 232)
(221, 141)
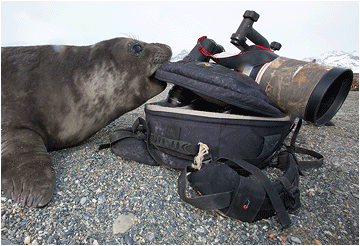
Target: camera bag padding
(214, 82)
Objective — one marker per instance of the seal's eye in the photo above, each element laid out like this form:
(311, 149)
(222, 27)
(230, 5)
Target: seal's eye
(136, 49)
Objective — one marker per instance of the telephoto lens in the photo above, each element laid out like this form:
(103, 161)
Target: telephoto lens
(310, 91)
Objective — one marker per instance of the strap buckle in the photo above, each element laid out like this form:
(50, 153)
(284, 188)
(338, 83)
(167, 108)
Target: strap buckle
(292, 198)
(291, 195)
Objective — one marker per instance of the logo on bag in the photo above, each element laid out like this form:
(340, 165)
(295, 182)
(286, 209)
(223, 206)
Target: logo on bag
(204, 64)
(246, 204)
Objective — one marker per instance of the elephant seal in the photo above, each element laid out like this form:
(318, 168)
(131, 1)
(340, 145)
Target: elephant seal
(54, 97)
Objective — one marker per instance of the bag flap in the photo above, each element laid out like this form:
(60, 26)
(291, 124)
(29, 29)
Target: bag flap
(247, 194)
(221, 83)
(215, 177)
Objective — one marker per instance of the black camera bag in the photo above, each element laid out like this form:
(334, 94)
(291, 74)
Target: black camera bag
(194, 137)
(170, 135)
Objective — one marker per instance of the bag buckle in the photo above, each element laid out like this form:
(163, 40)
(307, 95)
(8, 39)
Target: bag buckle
(292, 197)
(291, 194)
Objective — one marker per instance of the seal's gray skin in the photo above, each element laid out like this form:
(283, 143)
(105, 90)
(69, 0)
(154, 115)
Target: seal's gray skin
(54, 97)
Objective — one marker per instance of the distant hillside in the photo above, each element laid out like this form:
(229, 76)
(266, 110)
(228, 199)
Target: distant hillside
(179, 56)
(338, 59)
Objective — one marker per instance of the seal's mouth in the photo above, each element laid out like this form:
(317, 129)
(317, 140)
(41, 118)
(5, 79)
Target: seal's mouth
(155, 81)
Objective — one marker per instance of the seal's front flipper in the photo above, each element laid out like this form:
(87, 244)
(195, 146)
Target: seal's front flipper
(27, 172)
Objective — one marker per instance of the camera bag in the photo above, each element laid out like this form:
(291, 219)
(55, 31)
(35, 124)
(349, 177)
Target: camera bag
(230, 130)
(231, 115)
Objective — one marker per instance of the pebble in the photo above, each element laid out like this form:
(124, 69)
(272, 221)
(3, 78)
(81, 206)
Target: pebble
(128, 240)
(201, 230)
(27, 240)
(295, 240)
(123, 223)
(101, 200)
(83, 200)
(151, 237)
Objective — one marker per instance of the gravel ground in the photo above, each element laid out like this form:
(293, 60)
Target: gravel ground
(103, 199)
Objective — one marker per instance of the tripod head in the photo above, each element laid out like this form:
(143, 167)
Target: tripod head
(246, 31)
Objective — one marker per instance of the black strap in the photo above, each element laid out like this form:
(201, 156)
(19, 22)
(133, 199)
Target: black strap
(142, 123)
(140, 130)
(304, 164)
(117, 136)
(254, 56)
(136, 131)
(310, 164)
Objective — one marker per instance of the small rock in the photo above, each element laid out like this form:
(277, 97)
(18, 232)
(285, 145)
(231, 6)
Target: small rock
(128, 240)
(318, 242)
(27, 240)
(272, 236)
(101, 200)
(83, 200)
(201, 230)
(222, 240)
(151, 236)
(95, 242)
(328, 233)
(123, 223)
(5, 242)
(295, 240)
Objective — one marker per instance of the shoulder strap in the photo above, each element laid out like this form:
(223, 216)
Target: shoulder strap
(117, 136)
(304, 164)
(136, 131)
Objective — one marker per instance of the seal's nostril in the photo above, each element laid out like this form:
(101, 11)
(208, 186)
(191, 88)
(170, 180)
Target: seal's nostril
(161, 57)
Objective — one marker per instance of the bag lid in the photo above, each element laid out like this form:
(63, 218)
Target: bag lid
(212, 81)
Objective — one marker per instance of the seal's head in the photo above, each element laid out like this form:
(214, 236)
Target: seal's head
(135, 57)
(157, 53)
